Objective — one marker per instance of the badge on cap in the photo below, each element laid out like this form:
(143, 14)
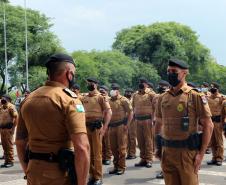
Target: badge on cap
(204, 100)
(180, 107)
(80, 108)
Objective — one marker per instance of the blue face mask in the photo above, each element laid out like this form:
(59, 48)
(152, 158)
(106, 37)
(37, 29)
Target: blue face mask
(173, 79)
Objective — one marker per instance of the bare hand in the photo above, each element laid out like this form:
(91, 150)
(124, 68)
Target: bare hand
(198, 161)
(125, 128)
(102, 132)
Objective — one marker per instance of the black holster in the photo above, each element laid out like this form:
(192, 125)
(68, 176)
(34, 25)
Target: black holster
(195, 141)
(66, 163)
(7, 126)
(216, 119)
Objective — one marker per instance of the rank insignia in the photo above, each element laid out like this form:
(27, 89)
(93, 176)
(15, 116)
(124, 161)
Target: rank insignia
(180, 107)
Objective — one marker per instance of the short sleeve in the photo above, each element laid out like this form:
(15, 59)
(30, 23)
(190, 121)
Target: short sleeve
(104, 102)
(75, 117)
(127, 105)
(13, 112)
(21, 132)
(202, 106)
(158, 111)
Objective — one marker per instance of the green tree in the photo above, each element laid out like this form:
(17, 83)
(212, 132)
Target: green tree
(158, 42)
(111, 66)
(41, 42)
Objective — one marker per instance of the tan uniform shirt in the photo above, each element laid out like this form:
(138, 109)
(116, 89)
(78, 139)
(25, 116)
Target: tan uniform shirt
(215, 103)
(49, 115)
(143, 103)
(95, 104)
(120, 107)
(7, 113)
(171, 108)
(224, 111)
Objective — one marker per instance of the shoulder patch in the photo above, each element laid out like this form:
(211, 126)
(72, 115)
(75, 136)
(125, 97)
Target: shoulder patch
(79, 108)
(204, 99)
(70, 93)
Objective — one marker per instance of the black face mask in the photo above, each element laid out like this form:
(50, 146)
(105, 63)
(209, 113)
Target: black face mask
(141, 86)
(213, 90)
(3, 102)
(71, 82)
(127, 95)
(173, 79)
(90, 87)
(161, 90)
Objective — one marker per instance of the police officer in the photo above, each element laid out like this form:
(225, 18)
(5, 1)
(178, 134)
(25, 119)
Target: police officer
(98, 115)
(215, 101)
(163, 86)
(106, 147)
(177, 115)
(143, 111)
(8, 120)
(76, 89)
(122, 115)
(132, 130)
(51, 120)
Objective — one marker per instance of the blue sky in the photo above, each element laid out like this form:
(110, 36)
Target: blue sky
(92, 24)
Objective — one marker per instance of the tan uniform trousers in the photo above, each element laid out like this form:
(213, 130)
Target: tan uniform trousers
(132, 136)
(106, 147)
(95, 153)
(178, 166)
(7, 144)
(145, 139)
(217, 142)
(118, 140)
(45, 173)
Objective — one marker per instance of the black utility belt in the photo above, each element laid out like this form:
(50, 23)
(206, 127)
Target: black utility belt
(92, 125)
(193, 142)
(142, 117)
(118, 123)
(216, 119)
(49, 157)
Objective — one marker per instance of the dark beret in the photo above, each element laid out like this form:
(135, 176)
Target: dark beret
(164, 83)
(6, 96)
(216, 85)
(143, 80)
(178, 63)
(104, 87)
(115, 86)
(129, 90)
(76, 86)
(92, 79)
(59, 57)
(205, 84)
(150, 84)
(191, 84)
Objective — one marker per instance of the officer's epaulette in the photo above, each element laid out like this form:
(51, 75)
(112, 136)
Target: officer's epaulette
(197, 90)
(70, 93)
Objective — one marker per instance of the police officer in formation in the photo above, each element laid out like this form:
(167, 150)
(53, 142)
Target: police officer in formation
(122, 115)
(51, 122)
(53, 118)
(8, 121)
(178, 113)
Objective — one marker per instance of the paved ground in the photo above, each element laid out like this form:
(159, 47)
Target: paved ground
(209, 175)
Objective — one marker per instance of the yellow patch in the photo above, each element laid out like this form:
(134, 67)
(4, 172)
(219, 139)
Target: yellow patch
(180, 107)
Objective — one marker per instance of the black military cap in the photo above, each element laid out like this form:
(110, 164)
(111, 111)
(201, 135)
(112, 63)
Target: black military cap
(205, 84)
(129, 90)
(115, 86)
(178, 63)
(150, 84)
(92, 79)
(6, 96)
(104, 87)
(164, 83)
(143, 80)
(216, 85)
(76, 86)
(59, 57)
(191, 84)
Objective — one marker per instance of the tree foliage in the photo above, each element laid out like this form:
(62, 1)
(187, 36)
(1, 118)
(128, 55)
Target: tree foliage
(41, 42)
(110, 67)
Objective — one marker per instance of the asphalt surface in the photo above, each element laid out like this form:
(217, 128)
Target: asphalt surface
(209, 175)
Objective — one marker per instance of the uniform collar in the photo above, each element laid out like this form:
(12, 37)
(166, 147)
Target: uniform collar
(184, 89)
(216, 96)
(54, 84)
(116, 98)
(147, 90)
(93, 93)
